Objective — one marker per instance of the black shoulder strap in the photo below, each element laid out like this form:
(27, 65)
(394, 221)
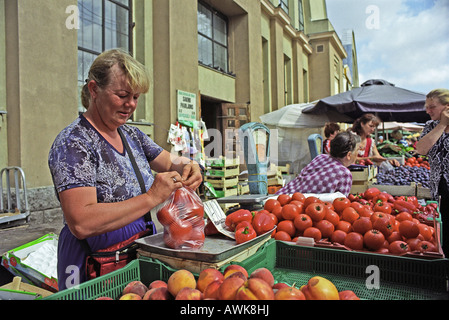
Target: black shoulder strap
(84, 242)
(136, 170)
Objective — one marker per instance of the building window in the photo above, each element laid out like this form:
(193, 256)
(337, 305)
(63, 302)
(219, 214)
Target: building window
(300, 15)
(212, 38)
(104, 24)
(284, 5)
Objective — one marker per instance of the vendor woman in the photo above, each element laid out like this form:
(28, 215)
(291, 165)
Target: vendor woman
(328, 173)
(92, 171)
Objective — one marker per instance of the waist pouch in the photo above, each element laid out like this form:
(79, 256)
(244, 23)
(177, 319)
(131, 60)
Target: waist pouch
(115, 257)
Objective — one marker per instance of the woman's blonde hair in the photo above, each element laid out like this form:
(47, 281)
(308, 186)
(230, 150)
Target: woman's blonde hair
(441, 94)
(136, 73)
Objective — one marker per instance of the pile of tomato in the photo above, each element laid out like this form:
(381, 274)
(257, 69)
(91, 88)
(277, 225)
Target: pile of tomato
(417, 162)
(374, 221)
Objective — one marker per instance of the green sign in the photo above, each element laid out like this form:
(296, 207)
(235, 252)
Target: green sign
(186, 106)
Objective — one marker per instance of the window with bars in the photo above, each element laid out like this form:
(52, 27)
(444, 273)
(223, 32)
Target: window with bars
(104, 24)
(212, 38)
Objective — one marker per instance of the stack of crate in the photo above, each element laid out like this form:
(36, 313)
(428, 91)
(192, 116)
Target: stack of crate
(222, 174)
(364, 179)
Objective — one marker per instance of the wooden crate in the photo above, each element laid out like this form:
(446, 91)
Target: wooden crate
(367, 174)
(222, 192)
(407, 190)
(359, 187)
(226, 171)
(222, 182)
(222, 162)
(423, 193)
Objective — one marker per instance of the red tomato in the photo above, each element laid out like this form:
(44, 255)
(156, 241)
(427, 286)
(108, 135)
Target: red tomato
(310, 200)
(287, 226)
(344, 226)
(312, 232)
(426, 246)
(302, 222)
(349, 214)
(401, 216)
(413, 244)
(398, 247)
(298, 196)
(371, 193)
(270, 204)
(354, 240)
(166, 216)
(383, 224)
(328, 205)
(284, 199)
(283, 236)
(338, 236)
(290, 212)
(277, 211)
(425, 231)
(373, 239)
(384, 207)
(326, 228)
(316, 211)
(362, 225)
(408, 229)
(394, 236)
(340, 204)
(332, 216)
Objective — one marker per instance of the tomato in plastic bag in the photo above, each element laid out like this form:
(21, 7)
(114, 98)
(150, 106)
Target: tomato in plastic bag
(182, 216)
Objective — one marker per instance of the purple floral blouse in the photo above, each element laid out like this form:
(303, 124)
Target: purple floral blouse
(81, 157)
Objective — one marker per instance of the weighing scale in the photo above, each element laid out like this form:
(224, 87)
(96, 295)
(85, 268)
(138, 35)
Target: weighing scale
(255, 140)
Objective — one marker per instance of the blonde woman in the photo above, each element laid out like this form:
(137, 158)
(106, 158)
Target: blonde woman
(434, 142)
(92, 171)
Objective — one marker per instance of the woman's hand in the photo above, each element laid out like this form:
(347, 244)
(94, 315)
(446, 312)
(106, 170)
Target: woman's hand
(191, 176)
(164, 184)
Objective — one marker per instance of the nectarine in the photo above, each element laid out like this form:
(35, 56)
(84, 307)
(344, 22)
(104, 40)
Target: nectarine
(264, 274)
(136, 287)
(187, 293)
(180, 279)
(207, 276)
(255, 289)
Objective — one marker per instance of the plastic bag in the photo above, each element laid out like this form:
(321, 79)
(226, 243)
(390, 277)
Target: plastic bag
(182, 216)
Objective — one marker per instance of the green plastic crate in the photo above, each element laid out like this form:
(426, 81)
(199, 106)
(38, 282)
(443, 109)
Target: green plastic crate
(401, 278)
(112, 284)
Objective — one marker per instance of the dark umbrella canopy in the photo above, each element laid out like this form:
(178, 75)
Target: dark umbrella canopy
(380, 97)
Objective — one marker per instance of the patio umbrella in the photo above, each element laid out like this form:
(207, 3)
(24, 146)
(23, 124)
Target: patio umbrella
(292, 116)
(388, 102)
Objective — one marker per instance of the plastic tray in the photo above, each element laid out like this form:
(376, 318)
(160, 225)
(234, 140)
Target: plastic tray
(401, 278)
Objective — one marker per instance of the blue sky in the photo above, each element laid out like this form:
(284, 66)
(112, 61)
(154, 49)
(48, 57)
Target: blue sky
(405, 42)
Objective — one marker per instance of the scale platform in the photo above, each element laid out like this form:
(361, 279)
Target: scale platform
(246, 201)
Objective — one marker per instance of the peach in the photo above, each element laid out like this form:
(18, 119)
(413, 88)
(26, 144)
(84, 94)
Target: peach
(187, 293)
(130, 296)
(237, 274)
(157, 284)
(319, 288)
(136, 287)
(280, 285)
(234, 268)
(207, 276)
(180, 279)
(255, 289)
(104, 298)
(289, 293)
(211, 291)
(160, 293)
(229, 288)
(264, 274)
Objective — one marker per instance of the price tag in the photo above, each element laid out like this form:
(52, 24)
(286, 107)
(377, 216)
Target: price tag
(218, 217)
